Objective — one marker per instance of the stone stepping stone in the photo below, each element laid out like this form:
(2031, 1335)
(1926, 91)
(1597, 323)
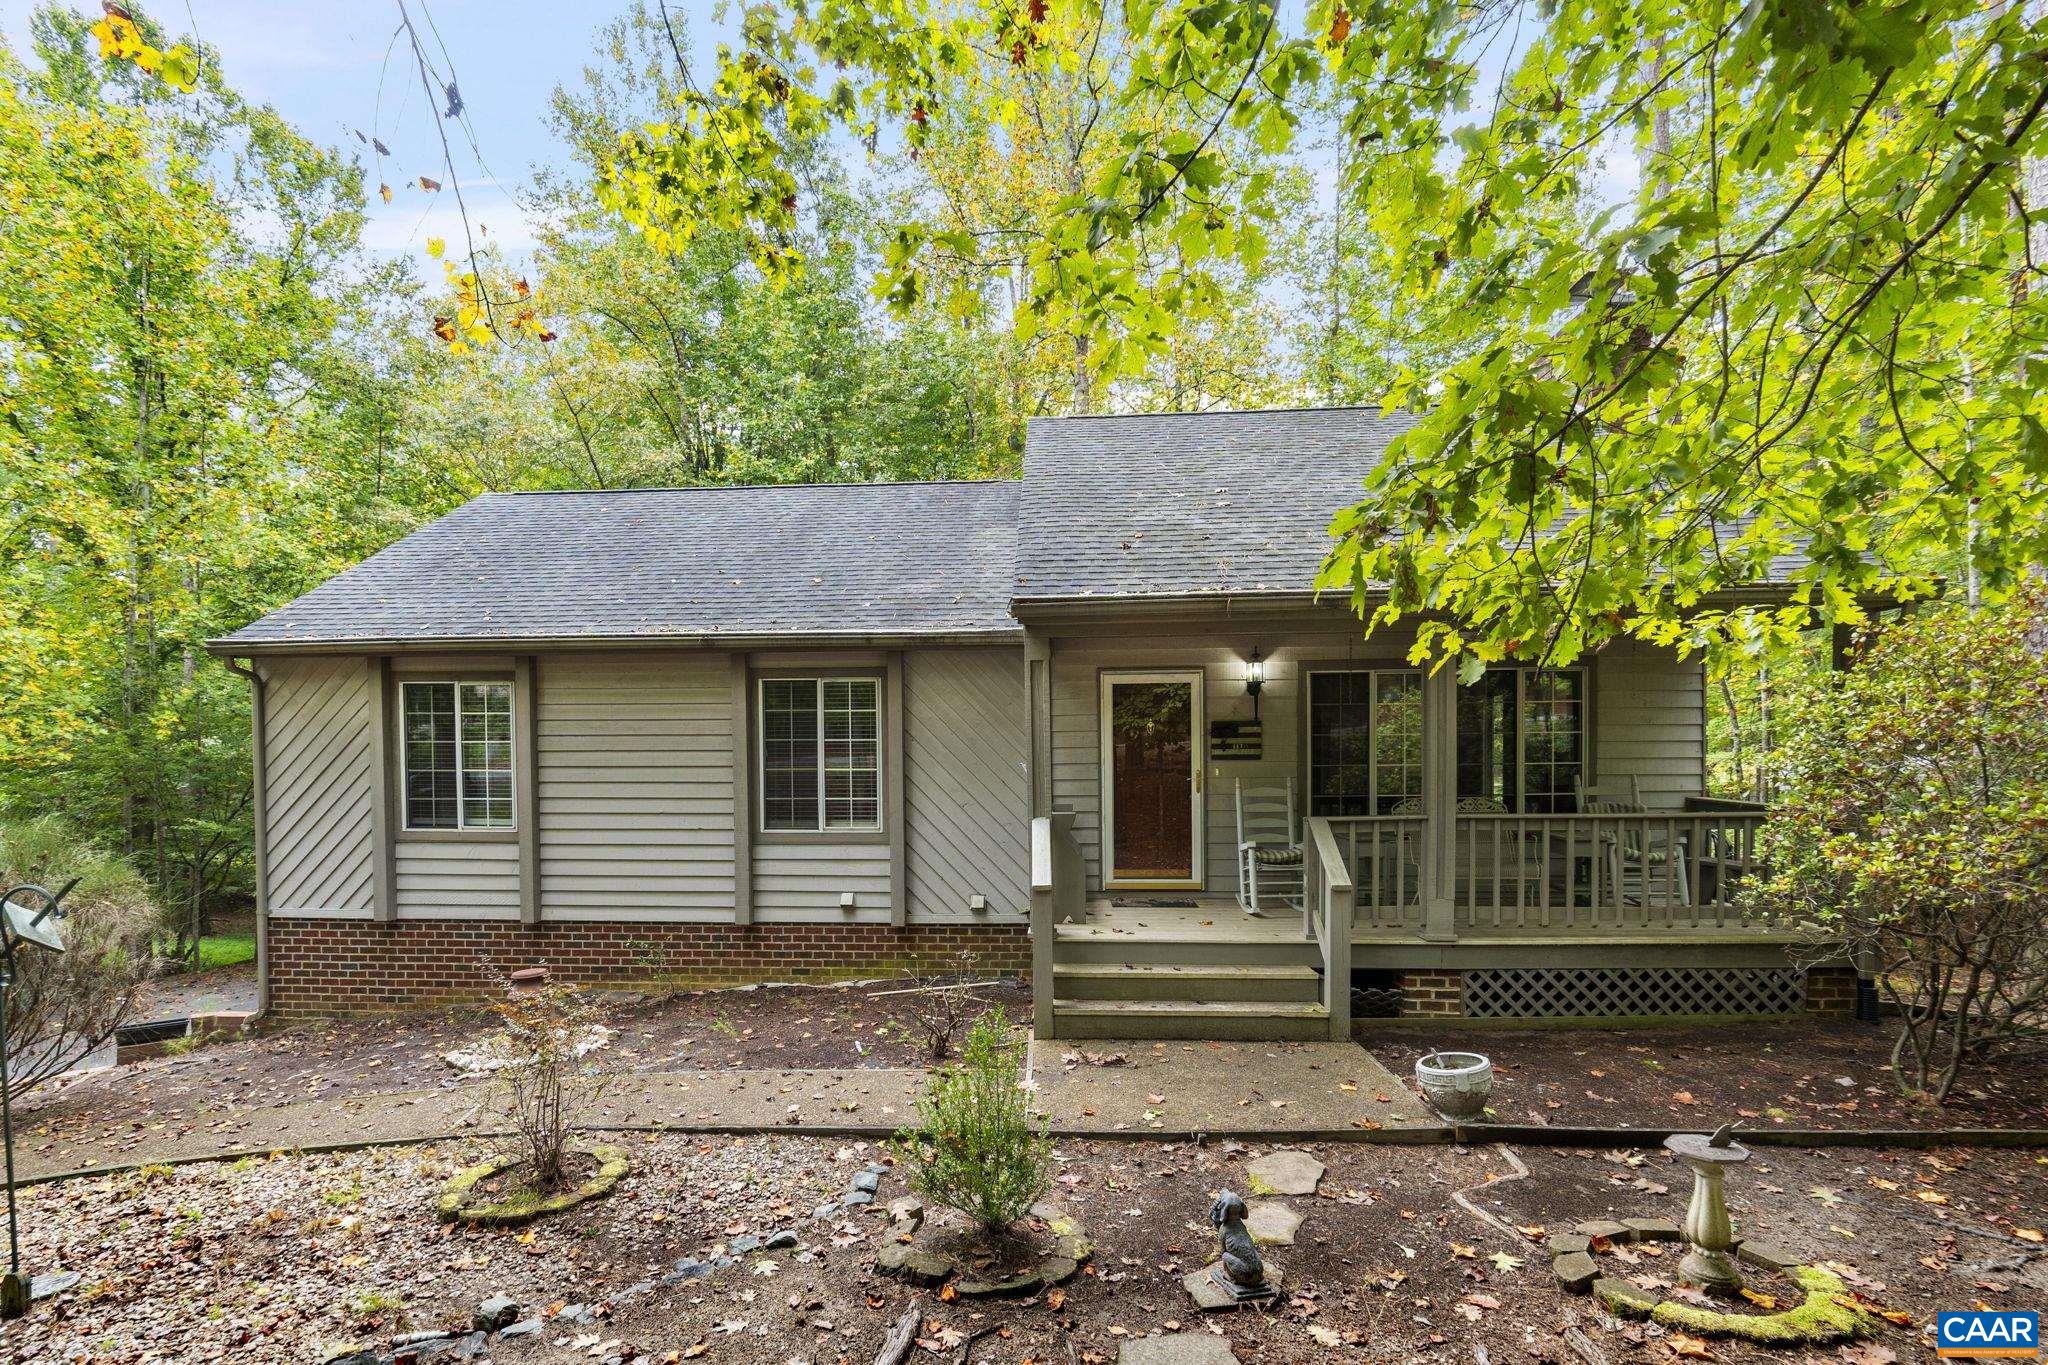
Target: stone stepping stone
(1288, 1171)
(1211, 1297)
(1176, 1348)
(1623, 1299)
(1604, 1227)
(1766, 1255)
(1272, 1224)
(1575, 1271)
(1652, 1229)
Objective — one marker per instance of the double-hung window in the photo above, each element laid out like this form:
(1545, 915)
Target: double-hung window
(821, 754)
(456, 742)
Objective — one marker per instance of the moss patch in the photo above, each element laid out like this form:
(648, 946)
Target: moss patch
(522, 1203)
(1826, 1316)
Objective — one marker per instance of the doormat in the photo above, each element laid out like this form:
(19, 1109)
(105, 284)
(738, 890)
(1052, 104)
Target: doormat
(1153, 903)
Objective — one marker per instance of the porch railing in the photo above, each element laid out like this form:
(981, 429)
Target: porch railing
(1569, 873)
(1327, 903)
(1059, 891)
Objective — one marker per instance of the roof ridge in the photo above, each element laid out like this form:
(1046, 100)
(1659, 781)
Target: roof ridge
(744, 487)
(1374, 408)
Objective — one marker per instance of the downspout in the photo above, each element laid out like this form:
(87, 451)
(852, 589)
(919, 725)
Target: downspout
(260, 820)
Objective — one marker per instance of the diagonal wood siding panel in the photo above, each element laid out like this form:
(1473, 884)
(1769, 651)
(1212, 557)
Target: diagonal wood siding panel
(967, 797)
(321, 789)
(635, 771)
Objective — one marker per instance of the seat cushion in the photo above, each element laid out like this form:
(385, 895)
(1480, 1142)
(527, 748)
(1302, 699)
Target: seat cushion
(1276, 855)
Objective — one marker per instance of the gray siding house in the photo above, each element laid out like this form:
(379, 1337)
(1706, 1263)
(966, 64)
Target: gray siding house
(724, 734)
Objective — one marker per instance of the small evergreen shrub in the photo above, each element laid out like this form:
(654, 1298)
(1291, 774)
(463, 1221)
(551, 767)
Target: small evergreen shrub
(976, 1146)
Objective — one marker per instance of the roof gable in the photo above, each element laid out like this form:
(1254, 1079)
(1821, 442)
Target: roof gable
(1190, 504)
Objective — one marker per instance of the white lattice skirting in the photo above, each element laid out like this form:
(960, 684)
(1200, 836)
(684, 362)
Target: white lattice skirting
(1631, 992)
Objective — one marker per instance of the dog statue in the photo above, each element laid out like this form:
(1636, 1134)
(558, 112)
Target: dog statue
(1239, 1268)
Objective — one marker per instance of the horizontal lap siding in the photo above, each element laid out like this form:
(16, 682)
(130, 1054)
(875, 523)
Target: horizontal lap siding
(457, 879)
(967, 794)
(798, 882)
(1077, 667)
(321, 790)
(636, 789)
(1649, 721)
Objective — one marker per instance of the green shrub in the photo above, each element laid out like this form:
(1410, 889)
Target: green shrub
(976, 1146)
(1913, 828)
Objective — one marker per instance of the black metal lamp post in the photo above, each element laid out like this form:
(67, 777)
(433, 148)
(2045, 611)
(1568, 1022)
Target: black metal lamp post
(18, 924)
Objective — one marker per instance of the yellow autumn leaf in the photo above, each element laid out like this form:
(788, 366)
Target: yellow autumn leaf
(1930, 1196)
(2027, 1234)
(435, 246)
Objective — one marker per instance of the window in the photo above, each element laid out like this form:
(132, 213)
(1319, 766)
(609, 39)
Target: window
(821, 754)
(457, 749)
(1522, 739)
(1365, 742)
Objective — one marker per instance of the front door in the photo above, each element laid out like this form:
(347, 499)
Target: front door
(1152, 779)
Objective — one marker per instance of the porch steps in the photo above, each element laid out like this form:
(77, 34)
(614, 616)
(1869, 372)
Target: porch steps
(1089, 981)
(1093, 943)
(1190, 1019)
(1185, 972)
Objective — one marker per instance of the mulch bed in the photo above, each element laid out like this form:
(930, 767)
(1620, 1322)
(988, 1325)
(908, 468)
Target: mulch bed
(1826, 1074)
(266, 1261)
(778, 1027)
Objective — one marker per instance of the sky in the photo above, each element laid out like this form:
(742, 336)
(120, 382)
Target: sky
(318, 62)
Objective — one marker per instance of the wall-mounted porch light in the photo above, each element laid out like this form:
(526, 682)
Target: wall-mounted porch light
(1254, 679)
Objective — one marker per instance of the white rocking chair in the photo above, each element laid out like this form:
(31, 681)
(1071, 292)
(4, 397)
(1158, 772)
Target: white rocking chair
(1268, 849)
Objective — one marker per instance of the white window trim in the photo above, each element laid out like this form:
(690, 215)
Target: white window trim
(405, 823)
(819, 680)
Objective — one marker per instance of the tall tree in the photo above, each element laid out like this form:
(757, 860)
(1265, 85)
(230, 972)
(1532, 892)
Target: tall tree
(1811, 327)
(173, 295)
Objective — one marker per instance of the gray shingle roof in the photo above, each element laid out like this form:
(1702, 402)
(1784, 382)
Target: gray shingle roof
(1190, 503)
(821, 560)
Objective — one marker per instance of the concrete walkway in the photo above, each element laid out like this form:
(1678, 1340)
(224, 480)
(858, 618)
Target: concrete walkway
(1220, 1087)
(1279, 1088)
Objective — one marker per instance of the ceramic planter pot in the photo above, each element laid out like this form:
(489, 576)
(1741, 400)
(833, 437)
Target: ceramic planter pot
(1457, 1083)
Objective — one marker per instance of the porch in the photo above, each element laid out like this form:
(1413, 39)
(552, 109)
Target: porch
(1536, 820)
(1537, 905)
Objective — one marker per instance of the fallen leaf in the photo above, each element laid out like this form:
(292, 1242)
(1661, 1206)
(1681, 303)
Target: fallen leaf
(1692, 1348)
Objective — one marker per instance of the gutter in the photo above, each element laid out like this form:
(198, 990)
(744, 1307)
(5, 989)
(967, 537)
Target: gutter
(260, 822)
(228, 647)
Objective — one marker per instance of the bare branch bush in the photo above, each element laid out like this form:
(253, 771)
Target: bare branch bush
(944, 1002)
(64, 1006)
(543, 1057)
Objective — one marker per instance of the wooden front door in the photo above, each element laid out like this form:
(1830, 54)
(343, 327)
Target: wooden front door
(1152, 779)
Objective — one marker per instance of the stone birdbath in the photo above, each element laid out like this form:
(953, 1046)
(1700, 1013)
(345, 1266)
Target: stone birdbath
(1708, 1231)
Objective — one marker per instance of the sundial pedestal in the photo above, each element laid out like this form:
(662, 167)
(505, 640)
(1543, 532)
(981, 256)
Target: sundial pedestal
(1709, 1232)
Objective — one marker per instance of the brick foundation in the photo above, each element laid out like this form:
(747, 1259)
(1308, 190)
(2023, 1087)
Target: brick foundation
(1436, 994)
(362, 967)
(1831, 990)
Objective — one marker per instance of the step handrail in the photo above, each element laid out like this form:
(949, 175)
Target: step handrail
(1058, 891)
(1328, 897)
